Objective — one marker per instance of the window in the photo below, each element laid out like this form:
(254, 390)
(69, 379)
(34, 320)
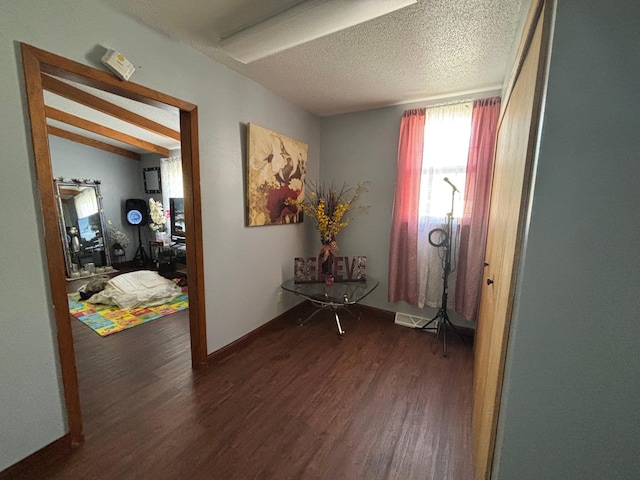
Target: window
(446, 148)
(434, 144)
(447, 133)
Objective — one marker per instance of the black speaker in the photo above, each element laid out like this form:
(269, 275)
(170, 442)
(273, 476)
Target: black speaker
(136, 211)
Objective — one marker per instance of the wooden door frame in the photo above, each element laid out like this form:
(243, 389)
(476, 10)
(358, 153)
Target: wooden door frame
(37, 63)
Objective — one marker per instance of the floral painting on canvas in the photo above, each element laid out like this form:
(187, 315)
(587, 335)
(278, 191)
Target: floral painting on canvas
(276, 168)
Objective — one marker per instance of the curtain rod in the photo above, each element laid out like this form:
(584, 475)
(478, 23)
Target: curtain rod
(445, 102)
(452, 102)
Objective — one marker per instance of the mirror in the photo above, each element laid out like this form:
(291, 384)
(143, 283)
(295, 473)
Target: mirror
(82, 227)
(152, 180)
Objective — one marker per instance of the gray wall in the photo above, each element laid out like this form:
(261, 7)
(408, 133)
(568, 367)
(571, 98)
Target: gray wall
(120, 178)
(364, 146)
(570, 400)
(239, 263)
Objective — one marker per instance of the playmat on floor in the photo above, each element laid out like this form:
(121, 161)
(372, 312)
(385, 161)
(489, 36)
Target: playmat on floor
(109, 319)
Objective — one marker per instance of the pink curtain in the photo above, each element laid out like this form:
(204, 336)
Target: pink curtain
(473, 233)
(403, 252)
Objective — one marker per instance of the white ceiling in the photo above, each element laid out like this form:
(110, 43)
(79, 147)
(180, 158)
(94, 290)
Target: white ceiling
(435, 48)
(428, 50)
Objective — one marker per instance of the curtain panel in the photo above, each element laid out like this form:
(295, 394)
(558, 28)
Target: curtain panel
(474, 223)
(171, 174)
(403, 252)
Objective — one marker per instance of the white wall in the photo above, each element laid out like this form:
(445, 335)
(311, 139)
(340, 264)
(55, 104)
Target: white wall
(364, 146)
(572, 382)
(243, 266)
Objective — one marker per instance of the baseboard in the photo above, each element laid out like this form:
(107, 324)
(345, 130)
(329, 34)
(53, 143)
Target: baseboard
(247, 339)
(296, 312)
(376, 312)
(57, 449)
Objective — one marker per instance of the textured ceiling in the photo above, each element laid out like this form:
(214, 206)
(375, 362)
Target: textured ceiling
(432, 49)
(435, 48)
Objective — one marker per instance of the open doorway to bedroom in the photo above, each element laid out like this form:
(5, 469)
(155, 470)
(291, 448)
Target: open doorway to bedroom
(40, 69)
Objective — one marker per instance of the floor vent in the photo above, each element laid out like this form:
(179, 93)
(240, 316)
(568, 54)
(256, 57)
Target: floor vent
(411, 321)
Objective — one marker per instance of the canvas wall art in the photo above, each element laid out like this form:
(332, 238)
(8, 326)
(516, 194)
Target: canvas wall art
(276, 169)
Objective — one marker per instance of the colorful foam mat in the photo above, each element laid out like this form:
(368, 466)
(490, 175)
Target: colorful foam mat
(109, 319)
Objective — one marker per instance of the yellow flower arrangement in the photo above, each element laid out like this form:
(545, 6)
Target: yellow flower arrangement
(328, 207)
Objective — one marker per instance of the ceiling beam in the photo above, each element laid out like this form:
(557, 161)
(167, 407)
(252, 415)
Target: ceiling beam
(80, 96)
(74, 137)
(90, 126)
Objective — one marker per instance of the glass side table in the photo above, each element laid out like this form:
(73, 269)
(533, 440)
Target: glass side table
(333, 297)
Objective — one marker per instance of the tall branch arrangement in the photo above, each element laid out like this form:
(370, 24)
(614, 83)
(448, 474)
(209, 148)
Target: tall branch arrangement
(328, 206)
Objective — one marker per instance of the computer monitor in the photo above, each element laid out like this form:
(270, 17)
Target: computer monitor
(176, 208)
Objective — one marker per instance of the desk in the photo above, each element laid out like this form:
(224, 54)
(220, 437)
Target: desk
(335, 296)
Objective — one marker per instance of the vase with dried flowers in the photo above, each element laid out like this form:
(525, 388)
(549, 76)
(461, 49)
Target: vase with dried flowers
(329, 206)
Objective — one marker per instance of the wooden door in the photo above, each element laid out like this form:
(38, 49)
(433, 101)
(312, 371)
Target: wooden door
(515, 150)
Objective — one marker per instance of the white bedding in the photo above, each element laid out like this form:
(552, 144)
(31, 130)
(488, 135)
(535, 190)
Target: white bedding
(140, 289)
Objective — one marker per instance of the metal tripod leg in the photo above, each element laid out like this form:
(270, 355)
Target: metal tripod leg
(454, 329)
(426, 327)
(444, 337)
(442, 323)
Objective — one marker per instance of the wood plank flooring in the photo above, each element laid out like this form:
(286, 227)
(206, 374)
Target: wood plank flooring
(297, 403)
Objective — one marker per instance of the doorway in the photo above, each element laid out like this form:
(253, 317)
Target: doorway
(38, 66)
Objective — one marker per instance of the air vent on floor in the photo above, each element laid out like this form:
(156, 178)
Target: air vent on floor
(412, 321)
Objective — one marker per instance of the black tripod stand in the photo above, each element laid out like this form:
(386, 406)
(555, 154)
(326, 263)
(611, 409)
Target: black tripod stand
(441, 319)
(140, 259)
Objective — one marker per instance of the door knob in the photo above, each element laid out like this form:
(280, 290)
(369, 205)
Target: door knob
(489, 281)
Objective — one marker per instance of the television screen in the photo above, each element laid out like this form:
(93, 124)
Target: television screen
(176, 208)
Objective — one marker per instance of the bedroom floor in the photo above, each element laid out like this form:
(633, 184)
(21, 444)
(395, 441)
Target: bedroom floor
(298, 403)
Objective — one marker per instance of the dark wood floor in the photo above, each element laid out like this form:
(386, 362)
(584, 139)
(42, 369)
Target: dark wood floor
(297, 403)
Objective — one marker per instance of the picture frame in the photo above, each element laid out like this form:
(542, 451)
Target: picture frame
(152, 180)
(276, 172)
